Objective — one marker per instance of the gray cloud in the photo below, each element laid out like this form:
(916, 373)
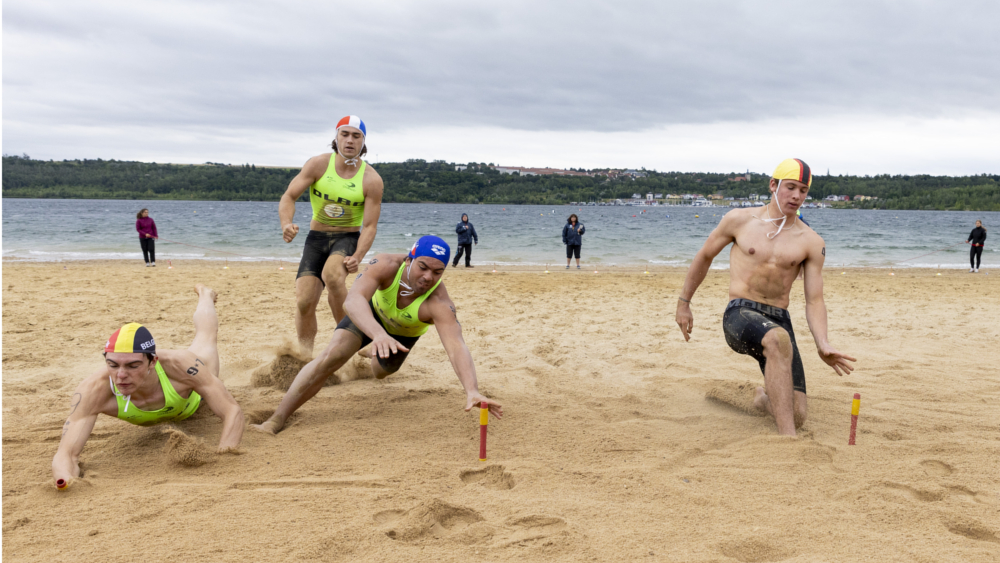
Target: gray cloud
(567, 66)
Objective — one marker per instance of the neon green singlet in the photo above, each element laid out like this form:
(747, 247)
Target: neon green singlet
(400, 322)
(175, 407)
(336, 201)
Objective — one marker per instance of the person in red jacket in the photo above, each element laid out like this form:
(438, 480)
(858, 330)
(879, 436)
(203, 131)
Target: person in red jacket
(147, 234)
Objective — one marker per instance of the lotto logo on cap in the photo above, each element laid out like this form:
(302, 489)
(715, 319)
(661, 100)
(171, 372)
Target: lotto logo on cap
(131, 339)
(793, 169)
(353, 121)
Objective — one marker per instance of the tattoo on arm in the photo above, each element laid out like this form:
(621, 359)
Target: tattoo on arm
(75, 402)
(454, 312)
(356, 278)
(65, 427)
(373, 261)
(193, 370)
(824, 251)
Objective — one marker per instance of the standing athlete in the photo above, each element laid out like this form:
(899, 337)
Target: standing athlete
(769, 246)
(390, 306)
(346, 197)
(142, 386)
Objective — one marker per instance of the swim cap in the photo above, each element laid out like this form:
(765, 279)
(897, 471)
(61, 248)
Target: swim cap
(793, 169)
(353, 121)
(432, 247)
(132, 338)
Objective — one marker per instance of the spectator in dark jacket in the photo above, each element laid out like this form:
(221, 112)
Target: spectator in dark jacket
(466, 234)
(977, 238)
(573, 238)
(147, 234)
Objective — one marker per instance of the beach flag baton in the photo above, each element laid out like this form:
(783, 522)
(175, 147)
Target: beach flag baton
(226, 267)
(855, 408)
(62, 484)
(170, 264)
(280, 265)
(484, 420)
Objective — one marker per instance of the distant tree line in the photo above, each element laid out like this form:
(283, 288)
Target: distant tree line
(439, 181)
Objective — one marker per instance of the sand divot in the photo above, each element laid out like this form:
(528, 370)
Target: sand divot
(973, 530)
(281, 370)
(756, 550)
(736, 395)
(491, 477)
(434, 518)
(185, 450)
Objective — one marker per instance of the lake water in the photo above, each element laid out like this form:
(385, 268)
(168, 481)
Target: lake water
(80, 229)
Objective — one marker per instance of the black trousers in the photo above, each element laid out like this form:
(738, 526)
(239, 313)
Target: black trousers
(976, 256)
(467, 250)
(148, 249)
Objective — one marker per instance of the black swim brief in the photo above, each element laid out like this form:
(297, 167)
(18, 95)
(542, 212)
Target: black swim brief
(320, 246)
(745, 324)
(394, 361)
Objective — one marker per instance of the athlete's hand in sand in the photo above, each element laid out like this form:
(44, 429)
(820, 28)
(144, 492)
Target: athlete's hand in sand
(684, 319)
(385, 346)
(289, 231)
(836, 360)
(475, 398)
(351, 263)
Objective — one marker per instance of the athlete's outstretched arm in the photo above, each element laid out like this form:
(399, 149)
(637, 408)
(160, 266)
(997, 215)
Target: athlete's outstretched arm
(372, 186)
(445, 320)
(85, 405)
(381, 268)
(721, 237)
(311, 171)
(207, 384)
(816, 309)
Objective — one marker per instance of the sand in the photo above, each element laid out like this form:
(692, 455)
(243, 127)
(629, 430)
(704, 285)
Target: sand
(621, 442)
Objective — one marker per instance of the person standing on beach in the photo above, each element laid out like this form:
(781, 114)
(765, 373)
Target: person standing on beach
(346, 197)
(391, 304)
(466, 233)
(977, 238)
(142, 386)
(572, 236)
(769, 246)
(147, 235)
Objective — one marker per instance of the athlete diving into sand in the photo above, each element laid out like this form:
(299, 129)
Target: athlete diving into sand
(390, 306)
(346, 198)
(770, 246)
(143, 386)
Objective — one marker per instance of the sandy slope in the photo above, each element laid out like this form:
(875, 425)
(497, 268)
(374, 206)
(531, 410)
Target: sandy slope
(609, 451)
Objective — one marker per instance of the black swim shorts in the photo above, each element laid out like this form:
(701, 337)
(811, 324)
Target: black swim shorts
(745, 324)
(320, 246)
(394, 361)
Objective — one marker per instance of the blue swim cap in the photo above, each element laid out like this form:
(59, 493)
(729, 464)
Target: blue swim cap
(431, 247)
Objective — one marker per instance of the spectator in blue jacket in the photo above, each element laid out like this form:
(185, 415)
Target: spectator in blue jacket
(573, 238)
(466, 234)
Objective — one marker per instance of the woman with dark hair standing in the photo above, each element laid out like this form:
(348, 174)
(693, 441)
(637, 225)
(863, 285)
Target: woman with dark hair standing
(977, 238)
(573, 239)
(147, 234)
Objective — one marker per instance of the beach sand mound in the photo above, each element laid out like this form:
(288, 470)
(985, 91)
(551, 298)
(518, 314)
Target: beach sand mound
(185, 450)
(432, 519)
(735, 395)
(280, 372)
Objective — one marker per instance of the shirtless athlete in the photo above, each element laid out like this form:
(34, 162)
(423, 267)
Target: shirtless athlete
(142, 386)
(770, 246)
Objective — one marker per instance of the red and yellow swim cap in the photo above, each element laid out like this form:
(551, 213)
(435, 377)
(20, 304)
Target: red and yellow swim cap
(132, 338)
(793, 169)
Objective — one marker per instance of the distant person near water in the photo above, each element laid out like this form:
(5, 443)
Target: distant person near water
(977, 238)
(147, 235)
(770, 244)
(466, 232)
(572, 236)
(390, 306)
(346, 197)
(143, 386)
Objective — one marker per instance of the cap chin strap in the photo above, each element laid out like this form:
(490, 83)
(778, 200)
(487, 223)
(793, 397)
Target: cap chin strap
(409, 290)
(356, 160)
(117, 394)
(784, 217)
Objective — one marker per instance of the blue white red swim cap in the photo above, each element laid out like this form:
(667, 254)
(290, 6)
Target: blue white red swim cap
(353, 121)
(431, 247)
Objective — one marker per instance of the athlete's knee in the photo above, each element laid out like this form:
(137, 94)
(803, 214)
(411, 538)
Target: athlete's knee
(306, 302)
(777, 341)
(334, 279)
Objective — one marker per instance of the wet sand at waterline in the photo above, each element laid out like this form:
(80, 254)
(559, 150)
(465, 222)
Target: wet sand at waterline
(621, 442)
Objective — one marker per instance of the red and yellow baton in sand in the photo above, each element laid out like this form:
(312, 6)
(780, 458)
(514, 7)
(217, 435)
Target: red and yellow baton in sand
(855, 409)
(62, 484)
(484, 420)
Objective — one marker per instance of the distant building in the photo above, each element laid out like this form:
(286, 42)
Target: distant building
(864, 197)
(649, 196)
(523, 171)
(460, 168)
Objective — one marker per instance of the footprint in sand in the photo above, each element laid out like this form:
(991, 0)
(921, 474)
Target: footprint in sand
(756, 550)
(735, 395)
(491, 477)
(973, 530)
(435, 519)
(936, 468)
(530, 528)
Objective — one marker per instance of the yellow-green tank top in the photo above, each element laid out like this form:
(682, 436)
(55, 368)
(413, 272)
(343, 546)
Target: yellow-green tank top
(174, 408)
(400, 322)
(336, 201)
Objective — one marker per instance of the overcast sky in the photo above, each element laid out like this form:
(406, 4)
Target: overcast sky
(860, 87)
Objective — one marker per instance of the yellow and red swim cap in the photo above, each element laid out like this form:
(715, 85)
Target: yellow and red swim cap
(793, 169)
(132, 338)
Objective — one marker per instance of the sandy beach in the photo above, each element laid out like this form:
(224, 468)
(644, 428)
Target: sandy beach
(620, 441)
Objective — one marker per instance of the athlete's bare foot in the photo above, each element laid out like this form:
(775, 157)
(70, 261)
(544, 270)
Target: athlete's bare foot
(761, 401)
(270, 426)
(199, 288)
